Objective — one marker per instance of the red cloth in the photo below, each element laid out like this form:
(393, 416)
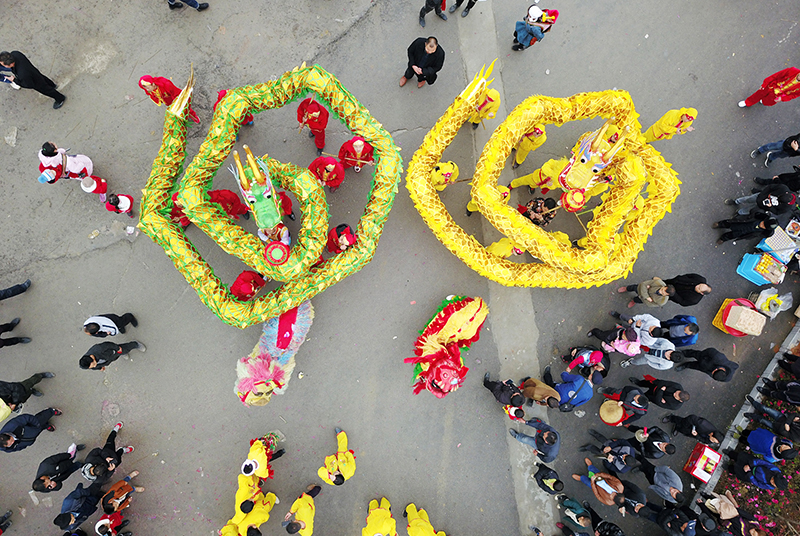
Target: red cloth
(176, 214)
(347, 155)
(115, 518)
(112, 208)
(166, 92)
(313, 114)
(247, 119)
(333, 178)
(247, 285)
(338, 231)
(100, 185)
(766, 94)
(229, 201)
(286, 203)
(286, 328)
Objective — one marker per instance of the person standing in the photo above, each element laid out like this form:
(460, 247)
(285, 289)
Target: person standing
(425, 59)
(632, 401)
(539, 392)
(431, 5)
(682, 330)
(177, 4)
(95, 185)
(575, 390)
(757, 224)
(63, 165)
(379, 519)
(787, 391)
(120, 203)
(547, 479)
(247, 285)
(530, 141)
(784, 424)
(99, 356)
(5, 521)
(775, 198)
(662, 393)
(671, 123)
(619, 455)
(487, 109)
(532, 28)
(545, 443)
(607, 488)
(78, 506)
(312, 114)
(24, 74)
(341, 466)
(653, 441)
(162, 91)
(303, 511)
(778, 149)
(751, 470)
(791, 179)
(712, 362)
(689, 289)
(101, 462)
(764, 442)
(328, 171)
(21, 432)
(108, 324)
(470, 5)
(356, 153)
(419, 524)
(340, 238)
(230, 203)
(782, 86)
(653, 292)
(56, 469)
(663, 481)
(14, 290)
(14, 394)
(11, 341)
(694, 426)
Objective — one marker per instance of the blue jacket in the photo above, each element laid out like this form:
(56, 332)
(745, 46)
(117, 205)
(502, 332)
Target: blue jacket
(762, 441)
(762, 472)
(547, 453)
(680, 320)
(25, 428)
(573, 383)
(81, 503)
(526, 32)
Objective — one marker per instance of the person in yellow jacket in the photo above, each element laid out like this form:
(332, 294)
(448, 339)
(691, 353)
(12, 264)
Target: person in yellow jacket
(443, 175)
(249, 491)
(487, 109)
(340, 466)
(257, 514)
(379, 519)
(530, 141)
(473, 207)
(303, 511)
(671, 123)
(546, 177)
(418, 522)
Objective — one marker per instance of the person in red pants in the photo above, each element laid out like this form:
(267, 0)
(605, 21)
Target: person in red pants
(782, 86)
(312, 114)
(356, 153)
(328, 170)
(230, 203)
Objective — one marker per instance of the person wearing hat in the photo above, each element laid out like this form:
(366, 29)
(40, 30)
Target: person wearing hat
(782, 86)
(530, 141)
(631, 399)
(779, 149)
(26, 75)
(62, 165)
(379, 519)
(546, 443)
(356, 153)
(303, 511)
(95, 185)
(696, 427)
(340, 238)
(341, 466)
(620, 339)
(757, 224)
(671, 123)
(653, 442)
(751, 470)
(662, 393)
(771, 447)
(712, 362)
(487, 109)
(425, 59)
(312, 114)
(775, 198)
(533, 27)
(328, 171)
(419, 524)
(120, 203)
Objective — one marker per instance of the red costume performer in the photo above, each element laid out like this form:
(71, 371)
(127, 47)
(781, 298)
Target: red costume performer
(313, 114)
(176, 215)
(248, 119)
(349, 156)
(286, 205)
(162, 90)
(230, 203)
(341, 231)
(328, 170)
(782, 86)
(247, 285)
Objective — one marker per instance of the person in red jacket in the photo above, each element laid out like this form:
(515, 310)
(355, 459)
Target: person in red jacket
(340, 238)
(248, 119)
(312, 114)
(247, 285)
(782, 86)
(230, 203)
(95, 185)
(356, 153)
(176, 215)
(120, 203)
(328, 170)
(162, 91)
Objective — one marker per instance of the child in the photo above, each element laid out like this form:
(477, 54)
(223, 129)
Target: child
(95, 185)
(121, 204)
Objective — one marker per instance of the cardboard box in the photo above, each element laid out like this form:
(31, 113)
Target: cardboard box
(702, 462)
(746, 320)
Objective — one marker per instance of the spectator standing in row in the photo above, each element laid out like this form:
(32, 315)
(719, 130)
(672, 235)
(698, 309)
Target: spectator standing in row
(779, 149)
(775, 198)
(425, 59)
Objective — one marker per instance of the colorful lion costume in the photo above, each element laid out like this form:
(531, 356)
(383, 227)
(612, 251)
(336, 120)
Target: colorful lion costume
(438, 365)
(269, 366)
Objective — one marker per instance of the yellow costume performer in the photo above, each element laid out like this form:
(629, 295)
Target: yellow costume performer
(544, 177)
(249, 490)
(259, 514)
(504, 191)
(504, 248)
(443, 175)
(342, 463)
(379, 519)
(419, 524)
(487, 109)
(530, 141)
(673, 122)
(303, 510)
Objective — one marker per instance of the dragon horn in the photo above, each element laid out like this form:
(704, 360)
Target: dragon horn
(251, 161)
(600, 134)
(489, 70)
(242, 177)
(178, 105)
(617, 146)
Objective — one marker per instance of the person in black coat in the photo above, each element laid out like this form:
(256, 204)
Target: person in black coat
(425, 59)
(775, 198)
(78, 506)
(672, 520)
(695, 427)
(783, 424)
(663, 393)
(21, 432)
(712, 362)
(101, 462)
(656, 443)
(547, 479)
(791, 364)
(689, 289)
(16, 393)
(101, 355)
(29, 77)
(505, 392)
(757, 224)
(56, 469)
(791, 179)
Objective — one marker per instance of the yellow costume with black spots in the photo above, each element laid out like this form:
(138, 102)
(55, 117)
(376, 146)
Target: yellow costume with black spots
(530, 142)
(670, 124)
(379, 519)
(343, 461)
(419, 524)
